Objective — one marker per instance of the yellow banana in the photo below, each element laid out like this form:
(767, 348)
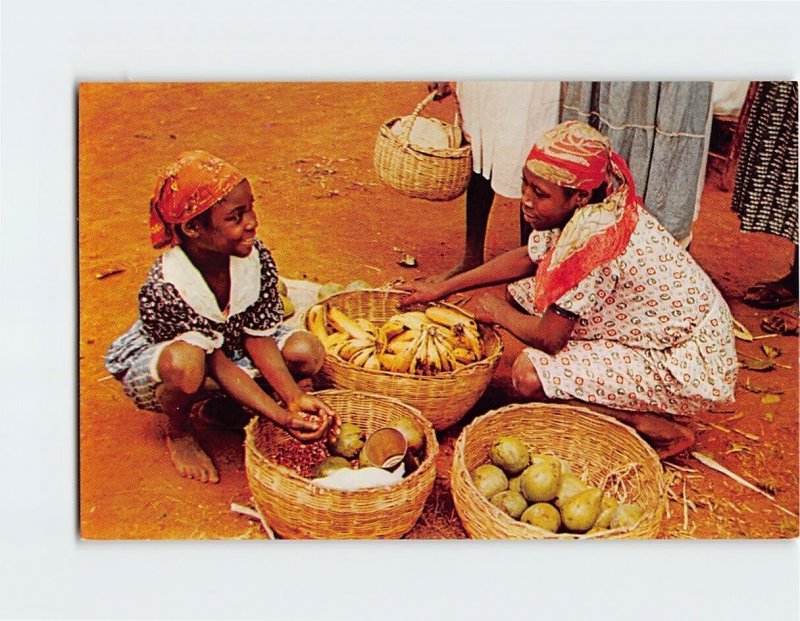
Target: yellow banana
(392, 329)
(342, 322)
(448, 316)
(445, 354)
(402, 341)
(463, 355)
(418, 352)
(388, 361)
(316, 321)
(373, 363)
(366, 325)
(412, 319)
(360, 358)
(434, 358)
(473, 341)
(405, 356)
(337, 339)
(353, 347)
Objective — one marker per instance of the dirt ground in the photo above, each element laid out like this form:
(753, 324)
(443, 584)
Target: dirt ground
(307, 149)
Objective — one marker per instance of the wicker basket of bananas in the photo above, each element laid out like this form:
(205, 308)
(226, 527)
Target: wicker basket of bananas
(437, 359)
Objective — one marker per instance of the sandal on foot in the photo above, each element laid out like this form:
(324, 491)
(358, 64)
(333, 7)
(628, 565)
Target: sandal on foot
(770, 295)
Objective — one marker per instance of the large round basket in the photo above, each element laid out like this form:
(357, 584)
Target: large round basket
(421, 172)
(612, 454)
(443, 398)
(297, 508)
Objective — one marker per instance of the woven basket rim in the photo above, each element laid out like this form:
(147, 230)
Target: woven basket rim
(459, 450)
(431, 449)
(446, 153)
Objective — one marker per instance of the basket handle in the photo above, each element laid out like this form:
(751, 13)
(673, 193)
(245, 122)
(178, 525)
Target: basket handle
(407, 131)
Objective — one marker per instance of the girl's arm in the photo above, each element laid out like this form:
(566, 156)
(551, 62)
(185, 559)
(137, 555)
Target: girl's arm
(511, 265)
(243, 388)
(549, 333)
(264, 352)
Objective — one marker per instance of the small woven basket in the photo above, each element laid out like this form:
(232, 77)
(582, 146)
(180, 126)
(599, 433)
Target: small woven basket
(588, 441)
(296, 508)
(421, 172)
(443, 398)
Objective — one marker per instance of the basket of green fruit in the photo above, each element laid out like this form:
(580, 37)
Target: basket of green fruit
(287, 478)
(548, 471)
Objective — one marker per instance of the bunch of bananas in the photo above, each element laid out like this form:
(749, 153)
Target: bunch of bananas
(440, 339)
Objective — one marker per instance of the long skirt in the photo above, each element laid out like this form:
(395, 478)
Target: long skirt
(765, 192)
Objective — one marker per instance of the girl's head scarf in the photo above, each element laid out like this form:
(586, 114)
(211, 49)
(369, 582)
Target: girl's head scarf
(574, 155)
(187, 188)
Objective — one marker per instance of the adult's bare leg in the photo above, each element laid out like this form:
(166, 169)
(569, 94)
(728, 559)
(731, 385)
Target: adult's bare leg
(480, 197)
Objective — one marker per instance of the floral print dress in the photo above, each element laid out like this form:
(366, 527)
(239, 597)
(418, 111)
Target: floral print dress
(653, 334)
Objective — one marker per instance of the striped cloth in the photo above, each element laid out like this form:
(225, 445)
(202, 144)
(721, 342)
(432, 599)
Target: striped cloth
(765, 192)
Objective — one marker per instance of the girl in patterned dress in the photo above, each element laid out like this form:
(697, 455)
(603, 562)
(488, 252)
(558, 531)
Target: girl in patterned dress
(210, 308)
(617, 315)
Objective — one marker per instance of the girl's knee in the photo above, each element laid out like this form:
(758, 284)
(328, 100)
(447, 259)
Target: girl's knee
(525, 379)
(304, 353)
(183, 366)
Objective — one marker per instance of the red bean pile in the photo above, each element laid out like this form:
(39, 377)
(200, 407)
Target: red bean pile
(302, 458)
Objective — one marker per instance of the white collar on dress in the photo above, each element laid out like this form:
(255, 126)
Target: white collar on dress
(192, 287)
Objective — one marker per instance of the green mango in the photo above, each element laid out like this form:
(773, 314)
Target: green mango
(580, 511)
(282, 288)
(568, 487)
(510, 503)
(349, 441)
(540, 482)
(510, 454)
(490, 480)
(626, 515)
(329, 465)
(544, 515)
(329, 289)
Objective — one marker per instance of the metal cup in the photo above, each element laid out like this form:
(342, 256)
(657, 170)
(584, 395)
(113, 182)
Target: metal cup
(385, 448)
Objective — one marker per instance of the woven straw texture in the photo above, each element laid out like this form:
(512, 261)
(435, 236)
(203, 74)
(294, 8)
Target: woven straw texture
(443, 398)
(586, 440)
(296, 508)
(433, 174)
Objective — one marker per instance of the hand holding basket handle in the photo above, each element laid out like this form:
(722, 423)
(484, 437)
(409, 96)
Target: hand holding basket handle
(444, 89)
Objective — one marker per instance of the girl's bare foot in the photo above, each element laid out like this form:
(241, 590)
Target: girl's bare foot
(190, 460)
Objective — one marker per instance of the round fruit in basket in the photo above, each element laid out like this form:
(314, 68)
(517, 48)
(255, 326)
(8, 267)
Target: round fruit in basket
(349, 441)
(510, 454)
(490, 480)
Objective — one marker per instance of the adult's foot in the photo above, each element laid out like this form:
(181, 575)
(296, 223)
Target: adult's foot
(772, 295)
(190, 460)
(667, 437)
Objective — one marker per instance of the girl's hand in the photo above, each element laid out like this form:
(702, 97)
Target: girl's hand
(487, 308)
(419, 292)
(310, 419)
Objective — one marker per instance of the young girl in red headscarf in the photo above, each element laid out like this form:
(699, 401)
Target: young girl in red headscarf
(614, 311)
(210, 308)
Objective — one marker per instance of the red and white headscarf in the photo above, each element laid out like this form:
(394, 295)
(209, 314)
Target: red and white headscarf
(574, 155)
(186, 189)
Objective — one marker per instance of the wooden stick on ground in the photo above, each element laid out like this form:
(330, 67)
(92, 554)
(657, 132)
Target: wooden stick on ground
(253, 513)
(708, 461)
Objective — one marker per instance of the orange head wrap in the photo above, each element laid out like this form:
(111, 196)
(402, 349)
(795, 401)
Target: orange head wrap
(574, 155)
(186, 189)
